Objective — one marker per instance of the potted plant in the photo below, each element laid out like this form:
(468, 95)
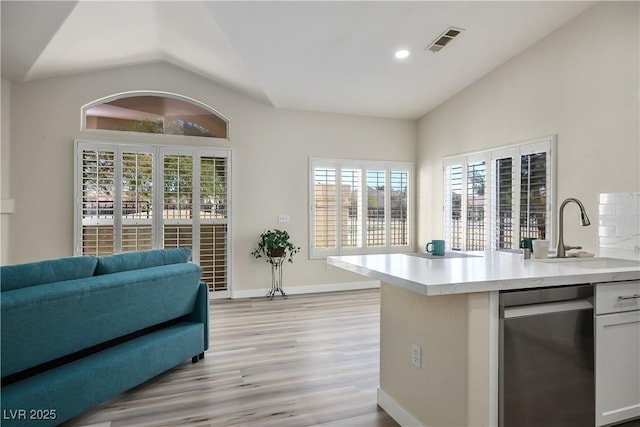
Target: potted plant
(275, 244)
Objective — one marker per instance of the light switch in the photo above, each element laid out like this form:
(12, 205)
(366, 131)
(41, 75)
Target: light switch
(416, 355)
(283, 218)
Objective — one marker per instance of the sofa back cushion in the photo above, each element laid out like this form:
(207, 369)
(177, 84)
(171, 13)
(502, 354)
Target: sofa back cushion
(144, 259)
(42, 323)
(49, 271)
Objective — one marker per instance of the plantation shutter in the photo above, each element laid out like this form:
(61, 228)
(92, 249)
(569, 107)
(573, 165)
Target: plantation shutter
(504, 204)
(522, 205)
(376, 221)
(351, 208)
(505, 233)
(96, 168)
(177, 212)
(196, 207)
(213, 220)
(535, 208)
(370, 213)
(476, 201)
(136, 199)
(399, 214)
(519, 185)
(453, 206)
(325, 208)
(132, 198)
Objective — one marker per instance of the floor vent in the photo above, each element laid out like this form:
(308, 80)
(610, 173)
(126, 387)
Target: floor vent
(444, 39)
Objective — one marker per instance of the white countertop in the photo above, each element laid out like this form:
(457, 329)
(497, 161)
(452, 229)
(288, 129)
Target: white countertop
(492, 271)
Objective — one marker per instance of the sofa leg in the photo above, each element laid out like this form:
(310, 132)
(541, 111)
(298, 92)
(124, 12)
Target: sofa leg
(201, 356)
(194, 359)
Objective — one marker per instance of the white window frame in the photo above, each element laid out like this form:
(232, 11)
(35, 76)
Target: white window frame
(363, 166)
(545, 144)
(158, 222)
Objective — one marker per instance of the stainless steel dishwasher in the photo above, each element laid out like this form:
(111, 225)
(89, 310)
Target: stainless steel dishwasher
(546, 374)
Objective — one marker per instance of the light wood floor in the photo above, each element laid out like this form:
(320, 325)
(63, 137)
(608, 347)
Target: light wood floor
(311, 360)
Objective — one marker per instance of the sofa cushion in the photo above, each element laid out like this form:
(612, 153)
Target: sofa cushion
(49, 271)
(128, 261)
(77, 386)
(42, 323)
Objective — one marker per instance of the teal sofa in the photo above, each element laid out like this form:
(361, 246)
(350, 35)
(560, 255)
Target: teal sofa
(77, 331)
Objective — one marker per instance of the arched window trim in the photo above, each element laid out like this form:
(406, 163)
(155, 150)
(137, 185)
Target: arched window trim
(131, 94)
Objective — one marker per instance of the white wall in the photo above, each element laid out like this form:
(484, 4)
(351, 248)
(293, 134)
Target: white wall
(581, 83)
(270, 157)
(6, 203)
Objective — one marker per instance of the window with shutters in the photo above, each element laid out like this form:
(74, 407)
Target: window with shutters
(139, 197)
(495, 198)
(359, 207)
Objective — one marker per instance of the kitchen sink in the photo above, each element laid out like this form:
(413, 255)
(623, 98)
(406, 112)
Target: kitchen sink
(602, 262)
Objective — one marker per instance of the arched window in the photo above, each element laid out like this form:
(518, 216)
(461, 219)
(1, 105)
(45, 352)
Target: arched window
(137, 196)
(154, 112)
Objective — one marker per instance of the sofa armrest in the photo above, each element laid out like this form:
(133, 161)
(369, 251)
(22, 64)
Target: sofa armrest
(200, 312)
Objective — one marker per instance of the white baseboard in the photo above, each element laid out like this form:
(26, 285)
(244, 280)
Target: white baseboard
(396, 411)
(310, 289)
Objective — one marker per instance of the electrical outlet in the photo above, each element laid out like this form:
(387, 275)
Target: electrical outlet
(283, 218)
(416, 356)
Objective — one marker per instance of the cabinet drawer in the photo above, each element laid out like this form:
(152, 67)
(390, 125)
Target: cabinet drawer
(617, 297)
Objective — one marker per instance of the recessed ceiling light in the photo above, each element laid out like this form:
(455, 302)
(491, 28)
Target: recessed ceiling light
(402, 54)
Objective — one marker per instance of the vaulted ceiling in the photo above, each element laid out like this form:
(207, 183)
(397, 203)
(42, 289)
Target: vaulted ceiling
(330, 56)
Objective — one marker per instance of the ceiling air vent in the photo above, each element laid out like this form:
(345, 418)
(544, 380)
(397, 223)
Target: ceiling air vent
(444, 39)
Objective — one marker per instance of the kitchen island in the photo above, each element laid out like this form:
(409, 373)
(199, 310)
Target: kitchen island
(447, 310)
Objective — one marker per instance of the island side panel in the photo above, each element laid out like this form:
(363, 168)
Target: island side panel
(436, 393)
(454, 385)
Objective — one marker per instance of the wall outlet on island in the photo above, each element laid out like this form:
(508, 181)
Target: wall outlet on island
(416, 355)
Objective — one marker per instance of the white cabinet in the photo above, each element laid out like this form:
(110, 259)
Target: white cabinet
(617, 351)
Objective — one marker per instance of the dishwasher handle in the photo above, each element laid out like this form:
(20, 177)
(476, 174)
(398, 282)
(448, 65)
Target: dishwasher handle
(635, 296)
(546, 308)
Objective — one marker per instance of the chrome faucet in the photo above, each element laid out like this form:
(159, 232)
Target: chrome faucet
(584, 221)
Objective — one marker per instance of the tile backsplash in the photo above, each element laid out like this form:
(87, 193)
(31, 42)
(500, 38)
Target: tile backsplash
(619, 221)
